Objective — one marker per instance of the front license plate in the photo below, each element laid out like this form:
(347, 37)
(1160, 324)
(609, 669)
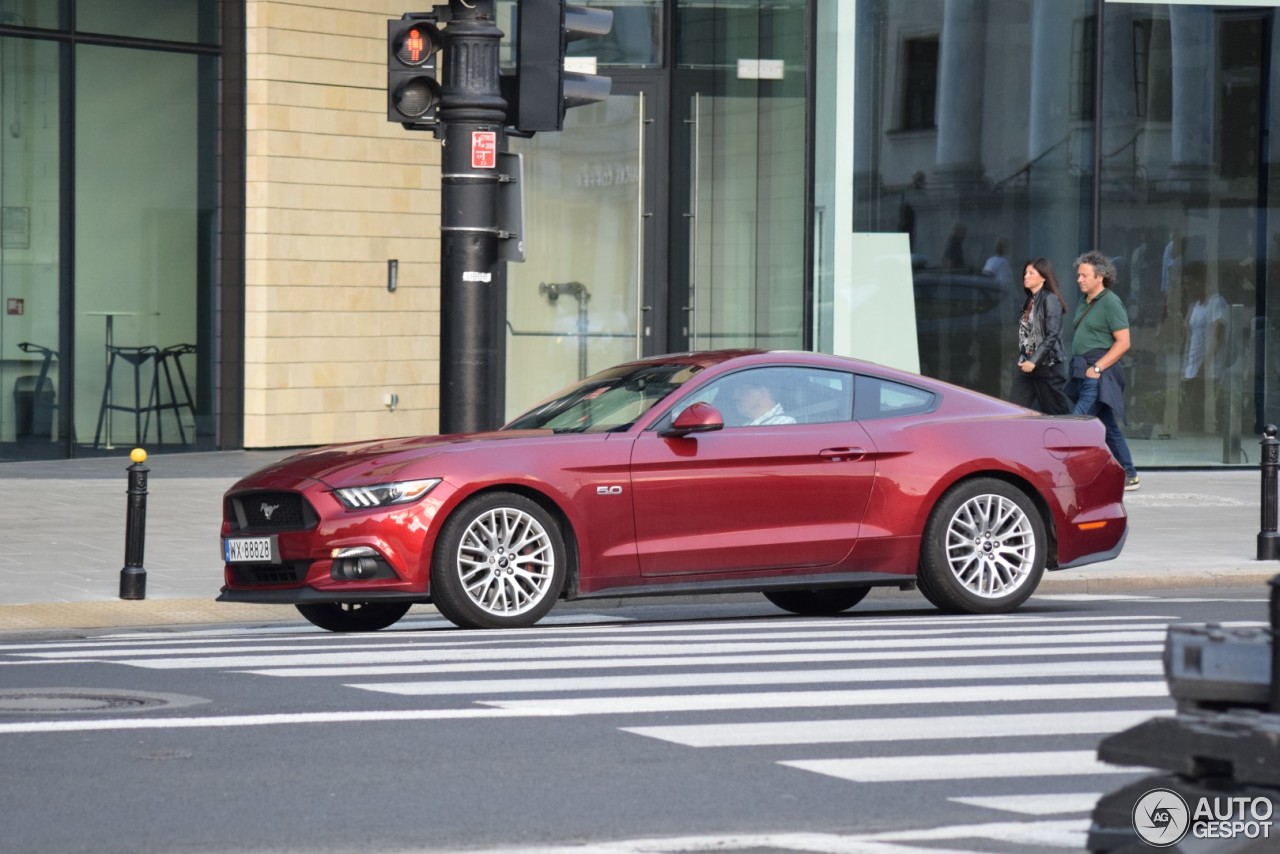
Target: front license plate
(251, 550)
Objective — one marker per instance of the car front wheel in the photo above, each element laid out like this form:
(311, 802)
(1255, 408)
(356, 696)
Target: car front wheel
(984, 549)
(354, 616)
(499, 563)
(818, 603)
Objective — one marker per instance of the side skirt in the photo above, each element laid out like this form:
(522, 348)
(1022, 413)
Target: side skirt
(757, 585)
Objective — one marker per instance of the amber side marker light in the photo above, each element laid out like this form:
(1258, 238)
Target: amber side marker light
(1091, 526)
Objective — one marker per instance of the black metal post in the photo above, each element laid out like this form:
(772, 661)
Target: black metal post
(133, 578)
(1269, 538)
(473, 114)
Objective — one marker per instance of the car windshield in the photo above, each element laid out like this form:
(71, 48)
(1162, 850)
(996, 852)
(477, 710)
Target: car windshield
(609, 400)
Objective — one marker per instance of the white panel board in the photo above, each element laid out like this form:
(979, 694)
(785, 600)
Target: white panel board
(874, 303)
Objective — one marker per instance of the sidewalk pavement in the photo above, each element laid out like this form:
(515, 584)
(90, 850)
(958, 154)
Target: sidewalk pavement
(62, 527)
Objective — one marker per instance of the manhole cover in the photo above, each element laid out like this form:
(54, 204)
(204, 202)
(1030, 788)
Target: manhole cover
(34, 701)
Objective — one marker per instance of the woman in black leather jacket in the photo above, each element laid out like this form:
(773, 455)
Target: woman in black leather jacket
(1040, 377)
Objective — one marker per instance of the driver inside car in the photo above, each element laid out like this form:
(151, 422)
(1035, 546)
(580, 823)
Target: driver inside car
(756, 402)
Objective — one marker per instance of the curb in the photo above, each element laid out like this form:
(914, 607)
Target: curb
(1071, 582)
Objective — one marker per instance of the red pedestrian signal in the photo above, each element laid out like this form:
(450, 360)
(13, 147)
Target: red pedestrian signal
(412, 49)
(413, 93)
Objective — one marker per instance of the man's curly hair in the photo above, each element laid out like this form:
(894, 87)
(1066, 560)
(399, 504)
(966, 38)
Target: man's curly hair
(1101, 265)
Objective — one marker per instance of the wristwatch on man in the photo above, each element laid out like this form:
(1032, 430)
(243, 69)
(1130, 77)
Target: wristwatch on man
(1097, 368)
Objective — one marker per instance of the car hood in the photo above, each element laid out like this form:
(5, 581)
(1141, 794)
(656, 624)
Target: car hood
(379, 461)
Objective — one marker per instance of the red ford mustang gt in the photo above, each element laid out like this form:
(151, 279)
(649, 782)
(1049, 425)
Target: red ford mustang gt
(808, 478)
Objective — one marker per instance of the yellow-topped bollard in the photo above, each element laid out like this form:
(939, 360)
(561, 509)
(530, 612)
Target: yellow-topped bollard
(133, 577)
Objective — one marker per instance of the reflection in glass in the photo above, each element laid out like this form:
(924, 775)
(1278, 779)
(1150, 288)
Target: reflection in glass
(1185, 217)
(1000, 168)
(45, 14)
(30, 218)
(165, 20)
(972, 137)
(572, 305)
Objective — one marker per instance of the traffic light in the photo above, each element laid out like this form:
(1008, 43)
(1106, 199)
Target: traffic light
(544, 90)
(413, 93)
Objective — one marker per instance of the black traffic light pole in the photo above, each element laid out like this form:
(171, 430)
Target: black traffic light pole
(472, 113)
(469, 113)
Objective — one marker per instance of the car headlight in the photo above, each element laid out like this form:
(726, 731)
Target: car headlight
(384, 494)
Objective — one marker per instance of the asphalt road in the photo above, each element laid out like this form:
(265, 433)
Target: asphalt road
(705, 725)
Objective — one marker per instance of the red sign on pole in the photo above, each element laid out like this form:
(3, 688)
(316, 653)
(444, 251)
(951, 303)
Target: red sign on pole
(484, 149)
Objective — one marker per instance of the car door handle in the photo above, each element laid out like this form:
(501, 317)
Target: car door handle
(838, 455)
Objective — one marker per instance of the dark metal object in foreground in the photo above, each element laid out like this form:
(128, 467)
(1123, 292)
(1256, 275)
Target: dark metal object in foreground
(1269, 537)
(1210, 668)
(1222, 748)
(1273, 614)
(133, 577)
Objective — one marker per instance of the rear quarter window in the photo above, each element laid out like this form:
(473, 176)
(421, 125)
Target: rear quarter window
(877, 398)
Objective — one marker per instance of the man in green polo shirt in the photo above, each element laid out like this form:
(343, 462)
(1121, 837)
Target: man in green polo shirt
(1101, 337)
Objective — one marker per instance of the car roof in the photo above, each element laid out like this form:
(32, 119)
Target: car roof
(747, 357)
(726, 361)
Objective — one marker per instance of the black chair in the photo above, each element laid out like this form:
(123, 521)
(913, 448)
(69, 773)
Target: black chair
(136, 357)
(164, 358)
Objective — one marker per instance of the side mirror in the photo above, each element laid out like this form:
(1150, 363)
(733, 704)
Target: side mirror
(697, 418)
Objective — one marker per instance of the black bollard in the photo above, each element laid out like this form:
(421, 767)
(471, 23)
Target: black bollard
(133, 578)
(1269, 538)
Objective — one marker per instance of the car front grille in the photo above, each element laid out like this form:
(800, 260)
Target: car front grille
(270, 511)
(253, 575)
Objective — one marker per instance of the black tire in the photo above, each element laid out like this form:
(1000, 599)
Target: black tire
(818, 603)
(354, 616)
(984, 549)
(479, 581)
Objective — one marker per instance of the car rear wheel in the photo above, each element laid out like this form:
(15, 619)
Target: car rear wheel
(354, 616)
(818, 603)
(499, 563)
(984, 549)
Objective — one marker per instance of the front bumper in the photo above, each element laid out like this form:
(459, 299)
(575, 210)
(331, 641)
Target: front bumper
(310, 596)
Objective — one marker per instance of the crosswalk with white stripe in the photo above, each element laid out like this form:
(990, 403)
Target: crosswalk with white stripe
(934, 670)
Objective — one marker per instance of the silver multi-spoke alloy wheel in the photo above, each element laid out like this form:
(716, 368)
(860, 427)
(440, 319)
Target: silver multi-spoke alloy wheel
(991, 547)
(500, 562)
(984, 548)
(506, 561)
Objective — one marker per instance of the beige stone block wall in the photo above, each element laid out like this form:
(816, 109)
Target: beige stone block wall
(334, 191)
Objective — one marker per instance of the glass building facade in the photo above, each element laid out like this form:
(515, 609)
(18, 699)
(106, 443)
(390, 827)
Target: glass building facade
(108, 174)
(869, 177)
(961, 138)
(200, 199)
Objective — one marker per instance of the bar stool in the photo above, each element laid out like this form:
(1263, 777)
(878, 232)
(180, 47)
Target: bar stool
(173, 354)
(136, 357)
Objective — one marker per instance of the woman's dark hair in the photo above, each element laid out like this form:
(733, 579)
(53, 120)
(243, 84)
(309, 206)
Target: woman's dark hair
(1044, 267)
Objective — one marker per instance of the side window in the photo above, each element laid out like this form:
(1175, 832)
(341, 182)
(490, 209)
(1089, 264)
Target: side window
(877, 398)
(778, 395)
(823, 397)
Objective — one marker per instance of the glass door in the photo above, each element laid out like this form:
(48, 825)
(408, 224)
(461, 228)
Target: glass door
(739, 176)
(578, 303)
